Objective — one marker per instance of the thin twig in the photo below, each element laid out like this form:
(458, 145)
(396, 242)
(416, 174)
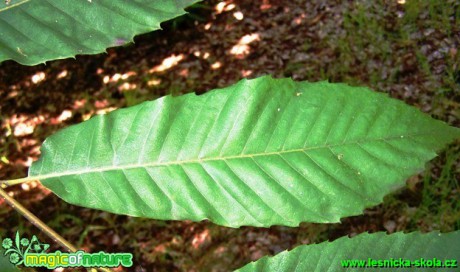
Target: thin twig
(37, 222)
(41, 225)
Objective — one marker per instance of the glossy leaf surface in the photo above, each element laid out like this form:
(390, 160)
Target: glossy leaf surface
(262, 152)
(379, 247)
(33, 31)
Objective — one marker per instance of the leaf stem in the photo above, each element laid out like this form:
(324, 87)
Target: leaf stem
(7, 183)
(106, 168)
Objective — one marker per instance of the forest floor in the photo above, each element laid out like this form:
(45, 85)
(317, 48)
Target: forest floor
(408, 50)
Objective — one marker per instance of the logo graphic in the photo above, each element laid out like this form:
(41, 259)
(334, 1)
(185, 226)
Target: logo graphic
(32, 253)
(22, 246)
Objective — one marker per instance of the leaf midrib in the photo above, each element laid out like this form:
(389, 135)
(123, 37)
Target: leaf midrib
(14, 5)
(182, 162)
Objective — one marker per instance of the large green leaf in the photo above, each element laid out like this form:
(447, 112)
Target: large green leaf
(262, 152)
(345, 254)
(35, 31)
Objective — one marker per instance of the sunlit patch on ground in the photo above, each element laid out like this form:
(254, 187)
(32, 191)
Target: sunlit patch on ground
(242, 48)
(224, 6)
(62, 74)
(201, 238)
(203, 55)
(154, 82)
(65, 115)
(127, 86)
(216, 65)
(167, 63)
(246, 73)
(23, 125)
(117, 76)
(265, 5)
(238, 15)
(38, 77)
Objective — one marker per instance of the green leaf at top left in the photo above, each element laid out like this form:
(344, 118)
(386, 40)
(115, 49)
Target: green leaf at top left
(35, 31)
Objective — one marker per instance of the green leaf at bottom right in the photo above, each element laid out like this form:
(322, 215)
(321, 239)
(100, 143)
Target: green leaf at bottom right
(374, 252)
